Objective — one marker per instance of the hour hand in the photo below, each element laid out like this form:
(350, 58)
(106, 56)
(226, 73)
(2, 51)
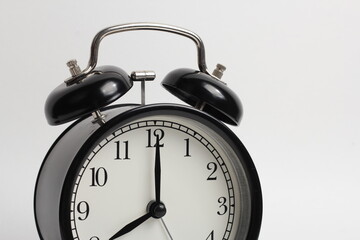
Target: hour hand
(129, 227)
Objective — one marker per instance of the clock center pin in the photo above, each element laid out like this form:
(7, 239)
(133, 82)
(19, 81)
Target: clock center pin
(156, 209)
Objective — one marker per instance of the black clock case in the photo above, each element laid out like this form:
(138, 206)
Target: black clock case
(59, 168)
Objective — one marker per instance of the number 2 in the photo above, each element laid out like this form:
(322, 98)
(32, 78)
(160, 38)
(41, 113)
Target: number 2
(212, 167)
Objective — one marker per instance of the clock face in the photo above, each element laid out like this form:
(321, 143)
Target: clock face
(199, 181)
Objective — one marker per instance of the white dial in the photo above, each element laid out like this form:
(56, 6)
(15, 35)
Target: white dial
(198, 184)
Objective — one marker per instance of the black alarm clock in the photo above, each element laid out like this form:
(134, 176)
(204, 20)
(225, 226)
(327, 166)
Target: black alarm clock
(146, 171)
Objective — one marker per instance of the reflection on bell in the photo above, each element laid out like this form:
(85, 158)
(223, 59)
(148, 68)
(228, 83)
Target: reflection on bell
(206, 93)
(98, 89)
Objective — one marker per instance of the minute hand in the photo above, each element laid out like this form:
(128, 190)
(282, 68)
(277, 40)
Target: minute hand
(157, 171)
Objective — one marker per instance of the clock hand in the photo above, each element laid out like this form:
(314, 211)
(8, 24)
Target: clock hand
(129, 227)
(157, 171)
(156, 209)
(167, 230)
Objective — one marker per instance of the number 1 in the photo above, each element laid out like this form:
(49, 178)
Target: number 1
(187, 146)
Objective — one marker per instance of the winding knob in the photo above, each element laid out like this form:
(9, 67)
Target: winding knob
(219, 71)
(73, 67)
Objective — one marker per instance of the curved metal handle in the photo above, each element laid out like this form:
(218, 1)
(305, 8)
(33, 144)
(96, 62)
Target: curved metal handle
(134, 27)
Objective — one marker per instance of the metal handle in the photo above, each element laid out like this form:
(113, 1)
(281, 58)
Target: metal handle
(134, 27)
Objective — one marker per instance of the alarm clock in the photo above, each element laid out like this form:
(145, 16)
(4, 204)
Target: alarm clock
(146, 171)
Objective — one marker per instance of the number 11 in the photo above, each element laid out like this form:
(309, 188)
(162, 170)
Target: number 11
(126, 151)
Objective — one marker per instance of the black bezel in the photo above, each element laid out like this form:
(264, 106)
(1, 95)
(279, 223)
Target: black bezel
(147, 110)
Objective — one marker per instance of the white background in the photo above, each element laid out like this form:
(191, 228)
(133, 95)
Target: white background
(294, 64)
